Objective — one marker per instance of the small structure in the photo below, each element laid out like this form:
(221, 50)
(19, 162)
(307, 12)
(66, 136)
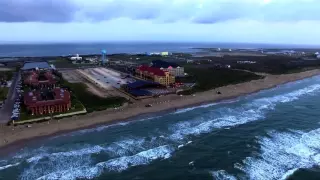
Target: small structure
(47, 101)
(76, 58)
(142, 88)
(104, 59)
(36, 65)
(318, 56)
(164, 53)
(173, 68)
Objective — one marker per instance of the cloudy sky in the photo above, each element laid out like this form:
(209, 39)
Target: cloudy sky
(252, 21)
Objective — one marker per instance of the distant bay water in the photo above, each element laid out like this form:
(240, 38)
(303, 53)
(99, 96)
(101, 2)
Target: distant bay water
(36, 50)
(270, 135)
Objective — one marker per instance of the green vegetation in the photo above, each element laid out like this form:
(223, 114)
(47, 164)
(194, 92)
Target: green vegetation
(62, 62)
(6, 75)
(91, 101)
(3, 93)
(209, 78)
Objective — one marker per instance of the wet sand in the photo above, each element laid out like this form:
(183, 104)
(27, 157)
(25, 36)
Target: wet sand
(13, 137)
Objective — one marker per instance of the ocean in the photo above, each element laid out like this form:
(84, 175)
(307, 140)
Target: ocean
(36, 50)
(272, 134)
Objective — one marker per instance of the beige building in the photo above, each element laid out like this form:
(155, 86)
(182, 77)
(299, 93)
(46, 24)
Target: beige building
(155, 74)
(173, 68)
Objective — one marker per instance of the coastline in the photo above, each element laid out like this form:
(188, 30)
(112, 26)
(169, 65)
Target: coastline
(21, 135)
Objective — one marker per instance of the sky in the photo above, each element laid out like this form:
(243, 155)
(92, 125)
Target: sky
(245, 21)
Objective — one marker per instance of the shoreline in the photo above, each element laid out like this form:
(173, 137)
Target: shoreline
(21, 136)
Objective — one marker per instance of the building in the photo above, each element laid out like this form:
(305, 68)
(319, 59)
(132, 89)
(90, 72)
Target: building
(76, 58)
(173, 68)
(39, 78)
(141, 88)
(36, 65)
(318, 56)
(155, 74)
(47, 101)
(164, 53)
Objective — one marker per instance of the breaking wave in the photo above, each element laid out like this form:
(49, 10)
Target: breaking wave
(230, 117)
(222, 175)
(125, 152)
(282, 154)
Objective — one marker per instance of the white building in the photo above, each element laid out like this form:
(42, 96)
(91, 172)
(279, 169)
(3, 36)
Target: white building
(76, 58)
(318, 56)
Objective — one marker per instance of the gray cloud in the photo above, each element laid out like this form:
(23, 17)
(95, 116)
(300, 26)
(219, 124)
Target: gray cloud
(36, 10)
(211, 11)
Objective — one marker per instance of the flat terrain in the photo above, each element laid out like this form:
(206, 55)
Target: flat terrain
(79, 76)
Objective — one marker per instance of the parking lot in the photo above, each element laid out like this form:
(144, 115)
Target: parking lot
(91, 77)
(108, 78)
(11, 107)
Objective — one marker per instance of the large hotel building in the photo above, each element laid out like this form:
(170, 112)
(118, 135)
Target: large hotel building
(49, 101)
(155, 74)
(45, 97)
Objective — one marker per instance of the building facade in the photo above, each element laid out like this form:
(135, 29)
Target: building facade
(173, 68)
(155, 74)
(49, 102)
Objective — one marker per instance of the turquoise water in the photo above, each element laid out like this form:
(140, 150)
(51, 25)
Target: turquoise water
(273, 134)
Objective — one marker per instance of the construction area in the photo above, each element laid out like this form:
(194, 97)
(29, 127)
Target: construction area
(100, 81)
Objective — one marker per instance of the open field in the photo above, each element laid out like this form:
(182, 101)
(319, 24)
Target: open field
(71, 76)
(90, 78)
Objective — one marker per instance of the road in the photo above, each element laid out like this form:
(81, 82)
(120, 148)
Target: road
(6, 110)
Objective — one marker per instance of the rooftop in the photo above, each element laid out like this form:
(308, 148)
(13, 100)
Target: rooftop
(36, 77)
(34, 65)
(155, 71)
(163, 64)
(47, 97)
(141, 84)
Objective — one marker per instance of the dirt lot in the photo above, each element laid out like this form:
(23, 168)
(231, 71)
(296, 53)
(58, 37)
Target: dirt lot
(71, 76)
(74, 76)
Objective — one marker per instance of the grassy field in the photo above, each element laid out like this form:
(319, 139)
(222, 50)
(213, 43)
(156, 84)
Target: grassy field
(90, 101)
(65, 63)
(3, 93)
(209, 78)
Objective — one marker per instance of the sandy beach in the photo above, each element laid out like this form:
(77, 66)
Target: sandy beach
(19, 135)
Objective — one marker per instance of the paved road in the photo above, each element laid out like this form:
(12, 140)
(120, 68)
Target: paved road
(6, 110)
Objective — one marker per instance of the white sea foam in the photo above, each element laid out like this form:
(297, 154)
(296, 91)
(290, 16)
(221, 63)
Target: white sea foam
(139, 151)
(179, 111)
(222, 175)
(84, 172)
(282, 154)
(117, 164)
(246, 113)
(124, 147)
(8, 166)
(144, 157)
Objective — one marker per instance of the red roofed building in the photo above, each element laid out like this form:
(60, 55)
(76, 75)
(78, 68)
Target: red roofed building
(155, 74)
(47, 101)
(39, 79)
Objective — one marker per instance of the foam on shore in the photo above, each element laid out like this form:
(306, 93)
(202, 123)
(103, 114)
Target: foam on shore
(126, 152)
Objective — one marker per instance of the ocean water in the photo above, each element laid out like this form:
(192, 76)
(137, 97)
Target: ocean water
(34, 50)
(273, 134)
